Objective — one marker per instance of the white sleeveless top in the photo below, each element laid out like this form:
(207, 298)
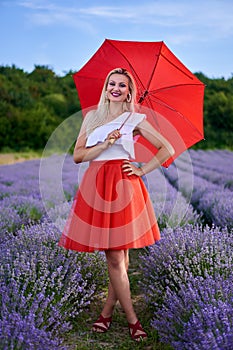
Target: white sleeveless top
(123, 148)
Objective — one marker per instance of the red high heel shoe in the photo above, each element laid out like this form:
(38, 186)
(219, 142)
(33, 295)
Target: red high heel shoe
(102, 325)
(133, 328)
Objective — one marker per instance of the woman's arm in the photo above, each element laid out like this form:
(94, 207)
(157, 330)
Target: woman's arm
(83, 154)
(165, 149)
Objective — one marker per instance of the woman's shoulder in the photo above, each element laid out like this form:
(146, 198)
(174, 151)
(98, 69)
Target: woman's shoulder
(139, 115)
(137, 118)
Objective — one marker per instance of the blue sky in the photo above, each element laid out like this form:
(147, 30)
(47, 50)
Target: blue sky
(65, 34)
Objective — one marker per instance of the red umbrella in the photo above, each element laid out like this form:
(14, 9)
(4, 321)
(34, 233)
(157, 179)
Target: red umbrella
(170, 95)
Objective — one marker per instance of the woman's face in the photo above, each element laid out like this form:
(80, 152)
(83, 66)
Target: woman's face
(117, 88)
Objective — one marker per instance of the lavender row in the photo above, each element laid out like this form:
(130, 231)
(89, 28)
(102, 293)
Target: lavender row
(39, 283)
(213, 166)
(213, 159)
(199, 316)
(22, 200)
(33, 191)
(30, 177)
(214, 202)
(52, 183)
(171, 207)
(188, 284)
(43, 288)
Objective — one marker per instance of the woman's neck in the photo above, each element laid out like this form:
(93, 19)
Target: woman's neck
(115, 109)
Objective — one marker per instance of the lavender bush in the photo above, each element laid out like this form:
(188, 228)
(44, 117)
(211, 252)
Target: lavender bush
(45, 283)
(20, 197)
(199, 316)
(9, 222)
(212, 178)
(218, 207)
(19, 333)
(17, 211)
(181, 254)
(20, 179)
(58, 180)
(43, 287)
(58, 214)
(214, 166)
(24, 178)
(171, 208)
(28, 208)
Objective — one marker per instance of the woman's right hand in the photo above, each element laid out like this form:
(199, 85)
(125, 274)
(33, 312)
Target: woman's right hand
(113, 136)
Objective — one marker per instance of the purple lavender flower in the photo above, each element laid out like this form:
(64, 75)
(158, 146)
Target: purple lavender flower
(17, 332)
(212, 175)
(199, 316)
(45, 284)
(9, 221)
(16, 211)
(20, 179)
(171, 208)
(218, 207)
(214, 166)
(181, 254)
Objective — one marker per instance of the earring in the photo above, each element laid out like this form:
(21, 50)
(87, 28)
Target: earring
(129, 97)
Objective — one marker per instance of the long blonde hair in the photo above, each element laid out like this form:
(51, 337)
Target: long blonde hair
(98, 117)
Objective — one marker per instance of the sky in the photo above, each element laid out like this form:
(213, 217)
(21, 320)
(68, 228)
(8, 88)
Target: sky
(64, 34)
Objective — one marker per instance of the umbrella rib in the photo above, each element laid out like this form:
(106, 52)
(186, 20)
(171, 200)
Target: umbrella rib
(146, 90)
(132, 69)
(155, 65)
(188, 75)
(173, 86)
(162, 103)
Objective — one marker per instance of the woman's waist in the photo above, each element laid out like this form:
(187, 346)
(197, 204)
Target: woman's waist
(108, 161)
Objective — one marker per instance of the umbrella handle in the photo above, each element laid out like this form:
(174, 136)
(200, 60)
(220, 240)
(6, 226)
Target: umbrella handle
(112, 141)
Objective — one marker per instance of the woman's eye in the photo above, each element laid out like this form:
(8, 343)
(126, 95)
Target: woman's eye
(122, 85)
(112, 84)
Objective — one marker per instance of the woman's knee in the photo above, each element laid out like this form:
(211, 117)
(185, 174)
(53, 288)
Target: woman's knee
(115, 258)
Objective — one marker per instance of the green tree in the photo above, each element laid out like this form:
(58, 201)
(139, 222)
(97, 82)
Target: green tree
(33, 105)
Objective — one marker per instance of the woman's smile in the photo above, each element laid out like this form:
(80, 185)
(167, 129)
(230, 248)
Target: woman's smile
(116, 94)
(117, 88)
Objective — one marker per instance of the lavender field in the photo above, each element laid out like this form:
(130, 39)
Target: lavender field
(187, 275)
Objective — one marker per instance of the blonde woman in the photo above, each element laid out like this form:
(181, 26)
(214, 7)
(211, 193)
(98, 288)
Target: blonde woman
(112, 210)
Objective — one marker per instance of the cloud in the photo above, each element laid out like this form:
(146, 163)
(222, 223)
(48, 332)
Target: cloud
(46, 13)
(35, 5)
(108, 12)
(213, 17)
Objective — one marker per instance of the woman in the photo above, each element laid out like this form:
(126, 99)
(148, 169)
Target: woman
(112, 210)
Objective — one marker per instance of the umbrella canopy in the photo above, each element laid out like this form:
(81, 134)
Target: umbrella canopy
(169, 93)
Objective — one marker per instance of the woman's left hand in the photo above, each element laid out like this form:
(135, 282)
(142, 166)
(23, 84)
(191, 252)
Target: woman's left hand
(131, 169)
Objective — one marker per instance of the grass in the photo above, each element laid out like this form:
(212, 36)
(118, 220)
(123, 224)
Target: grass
(15, 157)
(82, 338)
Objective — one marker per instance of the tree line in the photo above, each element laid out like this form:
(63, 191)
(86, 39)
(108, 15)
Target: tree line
(33, 104)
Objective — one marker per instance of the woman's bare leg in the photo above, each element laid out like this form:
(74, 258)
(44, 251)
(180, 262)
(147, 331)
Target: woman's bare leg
(120, 287)
(112, 297)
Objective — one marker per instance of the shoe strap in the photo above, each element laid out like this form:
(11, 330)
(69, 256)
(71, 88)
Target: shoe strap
(137, 327)
(104, 321)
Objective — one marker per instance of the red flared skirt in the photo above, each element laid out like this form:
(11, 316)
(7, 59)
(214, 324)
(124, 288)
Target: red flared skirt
(110, 211)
